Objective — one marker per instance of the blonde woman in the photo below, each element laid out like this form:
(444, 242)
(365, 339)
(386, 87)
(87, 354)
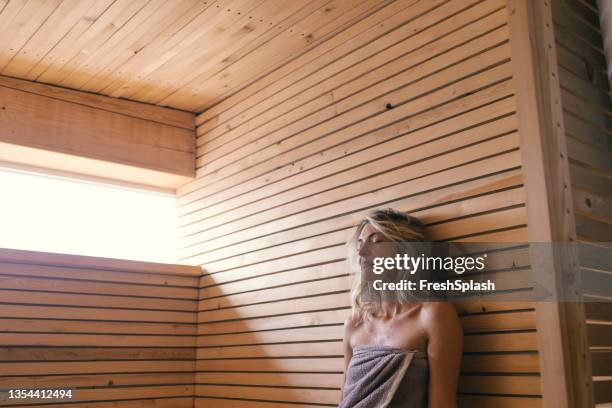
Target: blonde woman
(399, 351)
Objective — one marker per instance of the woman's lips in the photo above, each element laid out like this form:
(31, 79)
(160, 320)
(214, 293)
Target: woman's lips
(365, 265)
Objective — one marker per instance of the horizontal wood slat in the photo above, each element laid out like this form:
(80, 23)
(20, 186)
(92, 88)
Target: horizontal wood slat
(109, 329)
(416, 113)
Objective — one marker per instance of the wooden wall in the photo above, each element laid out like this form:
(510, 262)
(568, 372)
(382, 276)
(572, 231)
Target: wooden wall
(410, 107)
(120, 333)
(585, 96)
(62, 131)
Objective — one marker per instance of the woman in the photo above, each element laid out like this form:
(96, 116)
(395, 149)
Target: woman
(399, 351)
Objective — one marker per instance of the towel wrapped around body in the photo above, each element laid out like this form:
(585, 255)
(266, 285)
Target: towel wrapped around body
(386, 377)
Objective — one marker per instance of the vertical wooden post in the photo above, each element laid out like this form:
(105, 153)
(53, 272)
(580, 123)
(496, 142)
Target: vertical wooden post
(563, 349)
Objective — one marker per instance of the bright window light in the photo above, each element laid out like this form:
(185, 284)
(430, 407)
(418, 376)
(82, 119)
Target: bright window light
(53, 214)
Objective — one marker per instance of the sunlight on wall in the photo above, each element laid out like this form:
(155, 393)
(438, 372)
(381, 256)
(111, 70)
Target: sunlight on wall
(52, 214)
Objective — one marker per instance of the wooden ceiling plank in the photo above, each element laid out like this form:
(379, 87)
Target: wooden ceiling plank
(9, 11)
(185, 45)
(69, 38)
(186, 53)
(172, 28)
(33, 15)
(101, 64)
(323, 22)
(46, 37)
(152, 57)
(257, 28)
(206, 34)
(103, 28)
(235, 32)
(118, 41)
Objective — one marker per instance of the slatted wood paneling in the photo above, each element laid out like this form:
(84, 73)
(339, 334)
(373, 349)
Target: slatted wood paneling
(411, 107)
(585, 95)
(119, 333)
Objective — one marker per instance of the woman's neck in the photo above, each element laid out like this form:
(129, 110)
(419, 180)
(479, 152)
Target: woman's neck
(389, 310)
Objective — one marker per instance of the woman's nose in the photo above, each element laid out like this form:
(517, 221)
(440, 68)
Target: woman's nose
(362, 250)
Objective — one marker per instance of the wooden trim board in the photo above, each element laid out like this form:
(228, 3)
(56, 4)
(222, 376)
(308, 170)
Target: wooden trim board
(565, 367)
(51, 129)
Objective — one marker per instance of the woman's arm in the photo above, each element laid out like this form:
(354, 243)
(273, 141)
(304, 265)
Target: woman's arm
(444, 348)
(348, 350)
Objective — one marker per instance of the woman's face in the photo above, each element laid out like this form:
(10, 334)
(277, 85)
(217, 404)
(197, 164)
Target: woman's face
(367, 248)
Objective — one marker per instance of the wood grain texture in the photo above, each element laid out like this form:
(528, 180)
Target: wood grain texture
(310, 114)
(561, 329)
(97, 136)
(117, 332)
(184, 53)
(411, 107)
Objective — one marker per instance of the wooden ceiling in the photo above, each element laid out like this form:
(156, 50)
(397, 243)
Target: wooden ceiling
(185, 54)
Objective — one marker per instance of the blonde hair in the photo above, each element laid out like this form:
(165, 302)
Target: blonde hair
(394, 225)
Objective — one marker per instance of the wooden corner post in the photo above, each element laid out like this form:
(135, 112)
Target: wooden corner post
(563, 349)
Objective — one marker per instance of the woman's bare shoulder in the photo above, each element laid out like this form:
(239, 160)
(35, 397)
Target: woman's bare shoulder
(435, 314)
(439, 308)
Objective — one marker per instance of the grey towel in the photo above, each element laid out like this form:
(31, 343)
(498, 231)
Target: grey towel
(382, 376)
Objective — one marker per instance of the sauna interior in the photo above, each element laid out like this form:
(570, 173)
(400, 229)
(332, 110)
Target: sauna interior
(277, 125)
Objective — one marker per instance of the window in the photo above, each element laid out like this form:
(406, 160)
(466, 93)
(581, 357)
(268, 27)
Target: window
(54, 214)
